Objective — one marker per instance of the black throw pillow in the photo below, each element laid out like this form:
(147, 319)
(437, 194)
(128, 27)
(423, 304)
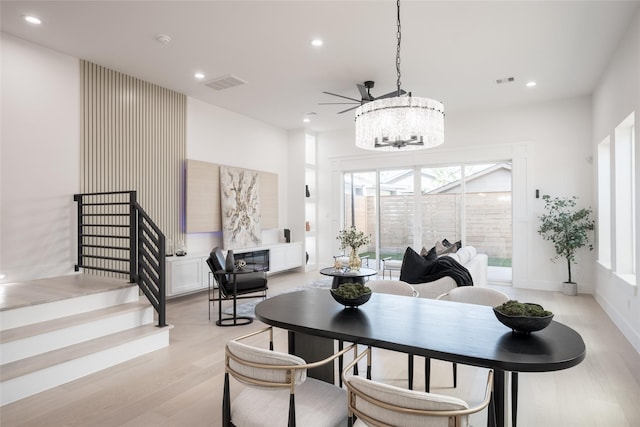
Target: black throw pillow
(414, 267)
(432, 255)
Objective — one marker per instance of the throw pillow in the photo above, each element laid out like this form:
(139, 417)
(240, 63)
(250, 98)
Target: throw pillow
(431, 255)
(442, 249)
(414, 267)
(447, 243)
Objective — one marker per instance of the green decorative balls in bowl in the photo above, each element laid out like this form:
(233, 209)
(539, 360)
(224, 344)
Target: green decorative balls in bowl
(523, 317)
(351, 294)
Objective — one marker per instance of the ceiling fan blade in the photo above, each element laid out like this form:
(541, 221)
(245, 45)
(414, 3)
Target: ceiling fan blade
(392, 94)
(348, 109)
(364, 93)
(342, 96)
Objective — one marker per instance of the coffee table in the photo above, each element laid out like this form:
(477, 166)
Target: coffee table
(349, 276)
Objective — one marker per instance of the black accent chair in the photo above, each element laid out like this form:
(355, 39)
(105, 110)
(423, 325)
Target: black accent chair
(233, 285)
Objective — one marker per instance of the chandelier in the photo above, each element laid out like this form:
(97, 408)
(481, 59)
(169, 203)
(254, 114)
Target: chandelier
(402, 122)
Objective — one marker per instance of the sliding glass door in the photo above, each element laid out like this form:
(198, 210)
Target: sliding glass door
(488, 224)
(397, 212)
(468, 203)
(441, 205)
(360, 200)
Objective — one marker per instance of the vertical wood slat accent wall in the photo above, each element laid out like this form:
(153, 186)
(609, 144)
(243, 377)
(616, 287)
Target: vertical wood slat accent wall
(134, 138)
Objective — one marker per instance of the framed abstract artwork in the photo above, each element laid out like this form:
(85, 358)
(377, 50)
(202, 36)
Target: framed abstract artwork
(240, 203)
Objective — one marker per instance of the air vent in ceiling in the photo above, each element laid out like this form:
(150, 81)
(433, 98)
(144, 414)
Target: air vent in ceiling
(225, 82)
(505, 80)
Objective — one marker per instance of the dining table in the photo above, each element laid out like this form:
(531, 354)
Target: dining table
(450, 331)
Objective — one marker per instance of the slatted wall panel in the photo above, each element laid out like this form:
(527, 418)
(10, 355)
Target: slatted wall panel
(133, 138)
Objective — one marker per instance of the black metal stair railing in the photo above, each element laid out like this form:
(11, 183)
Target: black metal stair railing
(116, 235)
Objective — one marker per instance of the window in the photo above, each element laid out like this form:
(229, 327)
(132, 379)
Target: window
(487, 215)
(441, 204)
(397, 212)
(604, 203)
(418, 206)
(360, 200)
(625, 196)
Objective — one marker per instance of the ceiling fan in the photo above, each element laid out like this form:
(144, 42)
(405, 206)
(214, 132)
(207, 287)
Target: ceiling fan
(365, 94)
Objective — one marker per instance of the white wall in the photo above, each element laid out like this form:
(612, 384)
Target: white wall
(40, 143)
(40, 152)
(550, 145)
(220, 136)
(617, 95)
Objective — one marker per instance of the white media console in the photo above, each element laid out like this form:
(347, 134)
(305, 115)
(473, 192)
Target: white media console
(190, 273)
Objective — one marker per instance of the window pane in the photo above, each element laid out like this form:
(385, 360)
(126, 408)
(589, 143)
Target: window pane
(360, 205)
(440, 205)
(625, 197)
(604, 202)
(488, 211)
(396, 212)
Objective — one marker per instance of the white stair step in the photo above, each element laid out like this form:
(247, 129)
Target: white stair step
(33, 375)
(30, 340)
(42, 312)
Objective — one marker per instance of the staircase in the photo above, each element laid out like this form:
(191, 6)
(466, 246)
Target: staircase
(56, 330)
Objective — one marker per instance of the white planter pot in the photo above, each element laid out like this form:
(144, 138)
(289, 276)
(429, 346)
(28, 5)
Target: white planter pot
(570, 288)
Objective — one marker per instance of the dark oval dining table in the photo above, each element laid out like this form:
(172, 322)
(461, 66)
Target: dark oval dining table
(444, 330)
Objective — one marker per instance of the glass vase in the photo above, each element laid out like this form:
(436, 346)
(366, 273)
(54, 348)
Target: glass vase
(354, 260)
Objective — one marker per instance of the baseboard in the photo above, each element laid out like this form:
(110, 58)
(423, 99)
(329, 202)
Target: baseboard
(619, 320)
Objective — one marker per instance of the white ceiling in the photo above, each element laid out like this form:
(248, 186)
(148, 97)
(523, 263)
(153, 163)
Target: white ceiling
(452, 51)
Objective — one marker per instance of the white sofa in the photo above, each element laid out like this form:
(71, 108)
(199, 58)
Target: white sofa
(468, 257)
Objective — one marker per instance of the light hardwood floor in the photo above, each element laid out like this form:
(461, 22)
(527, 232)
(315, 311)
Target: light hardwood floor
(182, 384)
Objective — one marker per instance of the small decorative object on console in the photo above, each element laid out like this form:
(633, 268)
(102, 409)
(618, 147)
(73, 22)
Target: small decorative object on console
(168, 247)
(181, 250)
(241, 264)
(523, 317)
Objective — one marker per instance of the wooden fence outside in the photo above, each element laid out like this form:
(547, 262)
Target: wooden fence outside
(488, 221)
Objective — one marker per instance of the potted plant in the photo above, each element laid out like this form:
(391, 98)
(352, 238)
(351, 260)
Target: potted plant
(353, 239)
(568, 229)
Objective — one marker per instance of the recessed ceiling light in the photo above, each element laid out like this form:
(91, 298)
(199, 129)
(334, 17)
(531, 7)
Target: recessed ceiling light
(317, 42)
(306, 120)
(531, 84)
(199, 76)
(33, 20)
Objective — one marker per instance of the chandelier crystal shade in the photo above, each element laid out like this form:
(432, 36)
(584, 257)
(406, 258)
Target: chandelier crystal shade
(402, 122)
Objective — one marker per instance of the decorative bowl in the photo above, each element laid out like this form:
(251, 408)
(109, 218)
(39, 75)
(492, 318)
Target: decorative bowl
(351, 302)
(524, 323)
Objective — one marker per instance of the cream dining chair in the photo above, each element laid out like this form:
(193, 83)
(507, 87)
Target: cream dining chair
(371, 403)
(278, 391)
(395, 287)
(489, 297)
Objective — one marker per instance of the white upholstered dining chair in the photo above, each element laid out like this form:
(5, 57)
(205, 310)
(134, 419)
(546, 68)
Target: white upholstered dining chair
(371, 403)
(278, 391)
(470, 295)
(475, 295)
(492, 298)
(395, 287)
